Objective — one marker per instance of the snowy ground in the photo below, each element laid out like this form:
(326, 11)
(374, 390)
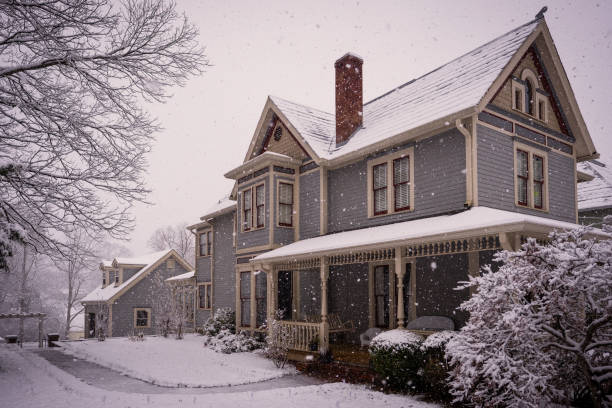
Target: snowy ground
(170, 362)
(27, 380)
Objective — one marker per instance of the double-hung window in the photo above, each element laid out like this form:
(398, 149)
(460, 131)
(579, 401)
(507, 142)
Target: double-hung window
(285, 204)
(247, 209)
(390, 183)
(205, 296)
(531, 177)
(205, 243)
(142, 318)
(260, 206)
(401, 183)
(379, 182)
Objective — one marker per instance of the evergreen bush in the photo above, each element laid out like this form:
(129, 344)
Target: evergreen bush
(398, 359)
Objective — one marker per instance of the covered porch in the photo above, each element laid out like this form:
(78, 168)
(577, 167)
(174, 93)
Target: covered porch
(335, 287)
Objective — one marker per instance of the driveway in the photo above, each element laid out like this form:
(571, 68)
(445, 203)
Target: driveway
(105, 378)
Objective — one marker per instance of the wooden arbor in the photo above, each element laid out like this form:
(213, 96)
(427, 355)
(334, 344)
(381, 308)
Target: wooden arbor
(39, 316)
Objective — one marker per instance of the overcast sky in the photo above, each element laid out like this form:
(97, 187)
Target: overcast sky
(288, 50)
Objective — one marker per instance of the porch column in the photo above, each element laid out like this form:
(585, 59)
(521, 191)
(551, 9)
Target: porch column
(253, 301)
(269, 295)
(324, 329)
(400, 271)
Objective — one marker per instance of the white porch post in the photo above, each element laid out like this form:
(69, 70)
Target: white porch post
(324, 329)
(253, 301)
(400, 271)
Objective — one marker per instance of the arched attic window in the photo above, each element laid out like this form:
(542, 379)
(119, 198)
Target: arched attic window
(531, 84)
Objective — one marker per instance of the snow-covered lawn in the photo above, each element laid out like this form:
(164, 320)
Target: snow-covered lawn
(29, 381)
(170, 362)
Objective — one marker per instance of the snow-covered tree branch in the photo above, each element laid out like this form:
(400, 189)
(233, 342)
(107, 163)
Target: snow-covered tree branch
(540, 328)
(73, 136)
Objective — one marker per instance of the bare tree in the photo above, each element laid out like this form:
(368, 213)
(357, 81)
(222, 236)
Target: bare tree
(73, 137)
(76, 265)
(18, 289)
(177, 238)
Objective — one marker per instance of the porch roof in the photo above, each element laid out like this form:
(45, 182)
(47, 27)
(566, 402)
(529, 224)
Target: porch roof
(475, 221)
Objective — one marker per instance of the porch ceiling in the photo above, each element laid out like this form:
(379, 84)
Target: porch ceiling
(477, 221)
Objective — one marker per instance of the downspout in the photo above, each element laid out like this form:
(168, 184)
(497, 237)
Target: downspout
(467, 127)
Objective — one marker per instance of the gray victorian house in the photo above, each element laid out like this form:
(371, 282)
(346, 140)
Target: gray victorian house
(124, 303)
(369, 216)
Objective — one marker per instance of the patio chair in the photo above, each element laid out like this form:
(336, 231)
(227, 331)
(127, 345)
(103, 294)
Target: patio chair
(367, 336)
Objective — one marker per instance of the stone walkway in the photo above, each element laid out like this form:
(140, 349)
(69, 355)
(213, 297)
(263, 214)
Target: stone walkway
(105, 378)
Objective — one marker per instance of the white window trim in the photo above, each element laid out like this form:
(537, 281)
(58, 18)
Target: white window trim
(293, 211)
(390, 190)
(148, 310)
(531, 151)
(528, 74)
(208, 293)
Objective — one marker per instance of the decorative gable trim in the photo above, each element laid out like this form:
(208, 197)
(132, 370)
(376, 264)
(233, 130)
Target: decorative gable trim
(277, 114)
(573, 118)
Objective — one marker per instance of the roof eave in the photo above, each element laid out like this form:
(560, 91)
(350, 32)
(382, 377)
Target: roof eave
(217, 213)
(262, 160)
(422, 131)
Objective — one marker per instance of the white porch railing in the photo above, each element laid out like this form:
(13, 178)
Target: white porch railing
(300, 335)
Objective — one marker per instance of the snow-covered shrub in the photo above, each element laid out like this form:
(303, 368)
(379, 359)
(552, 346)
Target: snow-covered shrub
(278, 341)
(223, 319)
(397, 357)
(435, 365)
(540, 328)
(227, 342)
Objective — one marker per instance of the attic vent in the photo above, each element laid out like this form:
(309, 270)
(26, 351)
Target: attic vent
(278, 132)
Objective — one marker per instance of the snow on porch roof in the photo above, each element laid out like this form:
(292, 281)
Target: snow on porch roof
(445, 91)
(479, 220)
(597, 193)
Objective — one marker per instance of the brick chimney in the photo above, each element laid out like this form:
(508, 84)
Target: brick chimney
(349, 96)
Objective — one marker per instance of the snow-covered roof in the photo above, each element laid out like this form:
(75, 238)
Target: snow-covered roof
(478, 219)
(104, 294)
(597, 193)
(183, 276)
(107, 263)
(447, 90)
(221, 206)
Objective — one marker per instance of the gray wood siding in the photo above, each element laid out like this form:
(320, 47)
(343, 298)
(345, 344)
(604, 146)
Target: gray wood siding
(309, 213)
(141, 294)
(224, 283)
(496, 178)
(439, 178)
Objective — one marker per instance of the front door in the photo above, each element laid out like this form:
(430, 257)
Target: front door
(285, 294)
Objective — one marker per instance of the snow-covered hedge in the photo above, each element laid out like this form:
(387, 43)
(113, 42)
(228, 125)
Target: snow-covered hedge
(223, 319)
(397, 357)
(220, 334)
(436, 366)
(227, 342)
